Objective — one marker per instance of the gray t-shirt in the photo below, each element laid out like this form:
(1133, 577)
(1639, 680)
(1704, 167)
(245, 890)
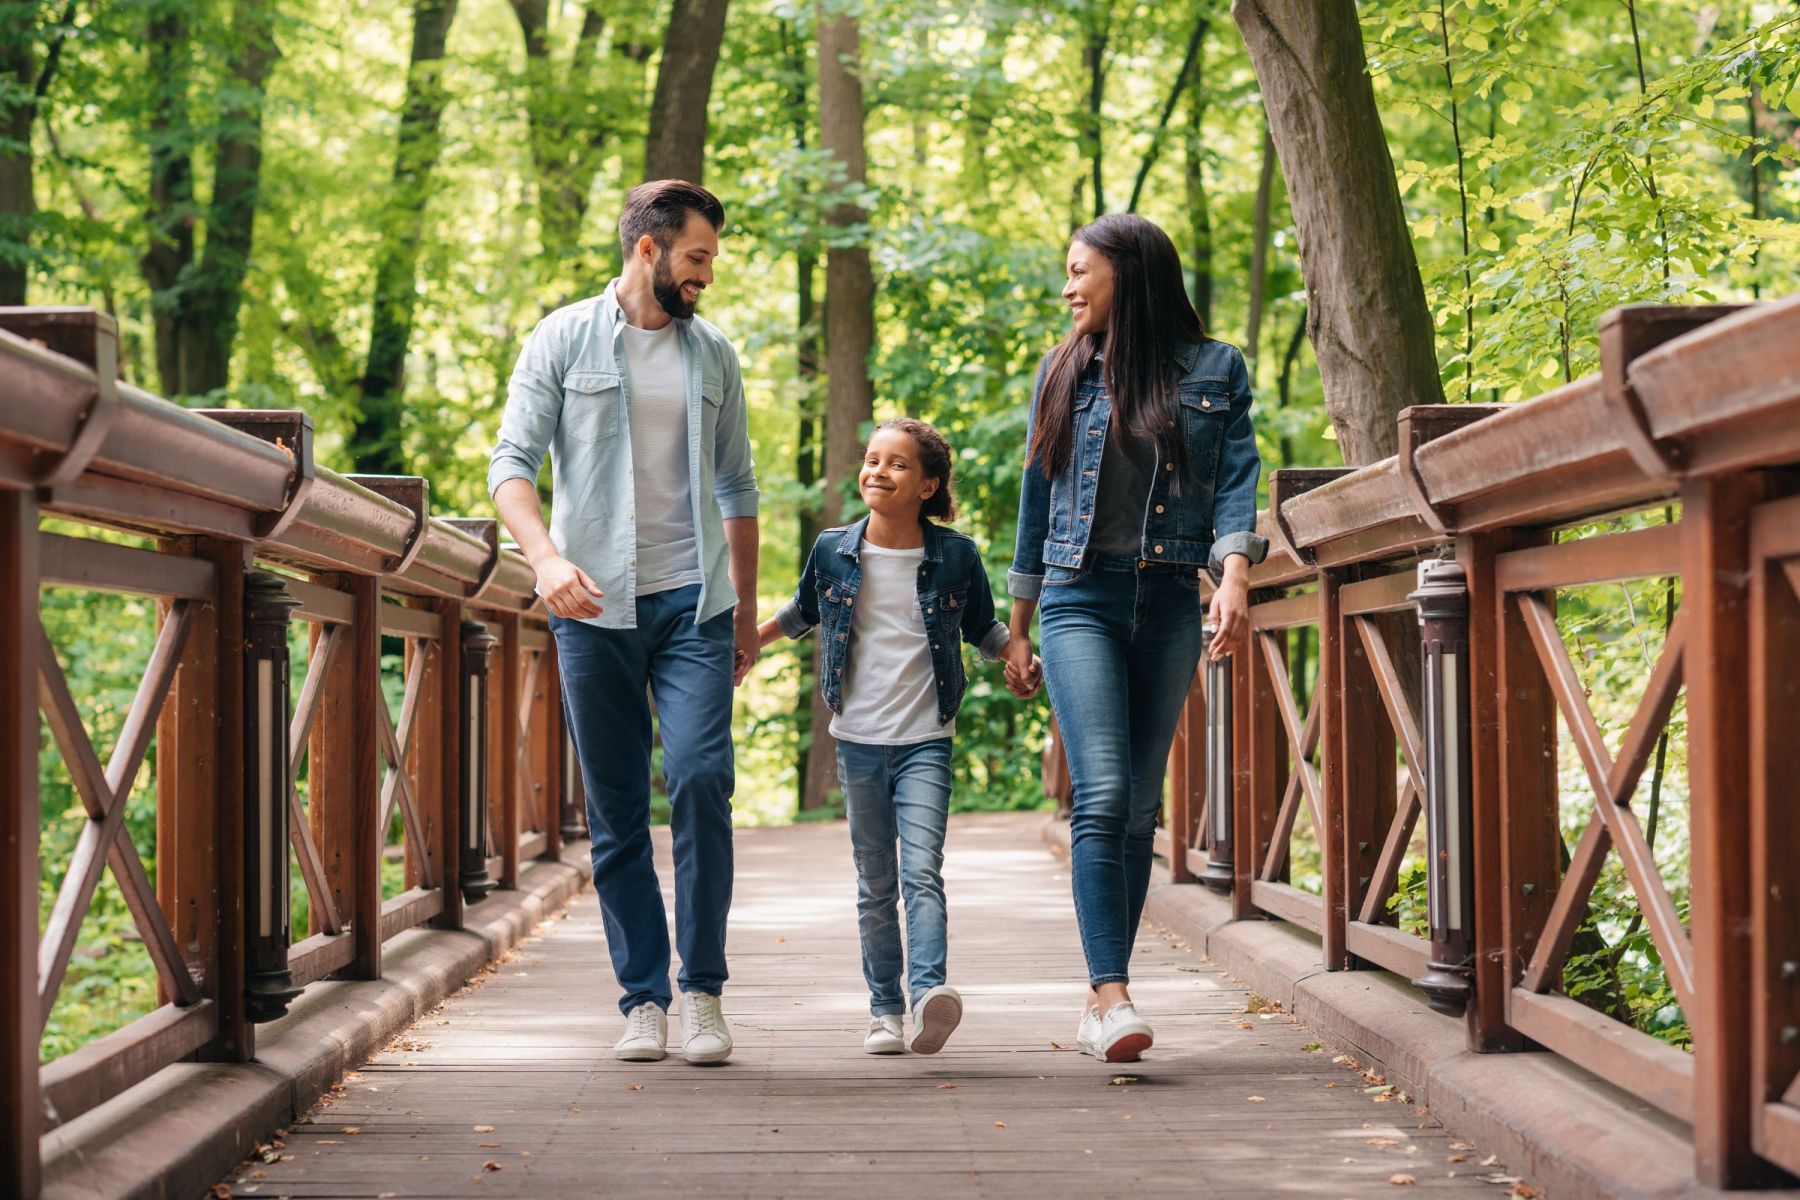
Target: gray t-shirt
(890, 690)
(667, 556)
(1127, 467)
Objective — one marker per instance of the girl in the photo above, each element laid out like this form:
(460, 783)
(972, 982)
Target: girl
(896, 595)
(1140, 473)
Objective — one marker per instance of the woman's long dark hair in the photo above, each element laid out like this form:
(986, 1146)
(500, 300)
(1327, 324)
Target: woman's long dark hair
(1151, 319)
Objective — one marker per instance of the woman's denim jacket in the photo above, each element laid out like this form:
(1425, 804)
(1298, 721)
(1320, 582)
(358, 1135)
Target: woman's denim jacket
(954, 597)
(1211, 514)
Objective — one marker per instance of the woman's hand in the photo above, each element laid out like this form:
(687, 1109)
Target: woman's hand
(1230, 609)
(1027, 687)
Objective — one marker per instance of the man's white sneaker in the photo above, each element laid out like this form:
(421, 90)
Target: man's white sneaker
(1087, 1034)
(1123, 1034)
(885, 1036)
(705, 1038)
(646, 1035)
(935, 1018)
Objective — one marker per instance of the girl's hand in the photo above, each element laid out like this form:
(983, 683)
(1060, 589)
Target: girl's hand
(1230, 609)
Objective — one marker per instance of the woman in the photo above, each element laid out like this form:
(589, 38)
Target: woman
(1140, 473)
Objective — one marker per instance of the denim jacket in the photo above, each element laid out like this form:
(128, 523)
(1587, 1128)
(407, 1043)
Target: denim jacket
(1211, 514)
(954, 596)
(570, 394)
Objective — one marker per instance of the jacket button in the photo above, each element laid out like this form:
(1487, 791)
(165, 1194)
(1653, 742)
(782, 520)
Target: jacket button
(1168, 466)
(928, 612)
(1159, 549)
(1159, 508)
(934, 645)
(1206, 404)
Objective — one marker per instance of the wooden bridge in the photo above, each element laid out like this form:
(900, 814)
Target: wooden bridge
(1427, 749)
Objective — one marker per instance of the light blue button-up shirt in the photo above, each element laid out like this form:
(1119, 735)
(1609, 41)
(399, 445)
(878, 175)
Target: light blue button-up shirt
(570, 393)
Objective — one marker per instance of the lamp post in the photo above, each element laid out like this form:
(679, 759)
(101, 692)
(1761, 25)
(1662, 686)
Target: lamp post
(268, 983)
(1443, 601)
(472, 762)
(1219, 871)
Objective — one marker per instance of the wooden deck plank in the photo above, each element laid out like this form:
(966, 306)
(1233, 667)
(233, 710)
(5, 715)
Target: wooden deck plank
(1007, 1109)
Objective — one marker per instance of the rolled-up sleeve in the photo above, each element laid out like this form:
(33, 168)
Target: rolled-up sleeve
(1025, 579)
(533, 407)
(1240, 465)
(800, 615)
(734, 471)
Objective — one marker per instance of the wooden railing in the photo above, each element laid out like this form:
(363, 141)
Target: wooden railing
(1695, 414)
(237, 532)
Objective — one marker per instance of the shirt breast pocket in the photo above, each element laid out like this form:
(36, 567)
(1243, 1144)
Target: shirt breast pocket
(591, 404)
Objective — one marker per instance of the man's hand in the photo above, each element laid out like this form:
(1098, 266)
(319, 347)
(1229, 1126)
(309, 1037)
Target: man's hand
(749, 644)
(566, 588)
(1230, 609)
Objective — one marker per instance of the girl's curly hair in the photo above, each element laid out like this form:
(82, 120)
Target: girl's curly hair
(934, 460)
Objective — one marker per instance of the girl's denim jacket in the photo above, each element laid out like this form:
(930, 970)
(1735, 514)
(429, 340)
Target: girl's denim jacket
(954, 597)
(1210, 515)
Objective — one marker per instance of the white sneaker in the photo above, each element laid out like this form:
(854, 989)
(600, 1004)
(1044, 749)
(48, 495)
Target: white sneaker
(1123, 1034)
(935, 1018)
(1087, 1034)
(885, 1036)
(646, 1035)
(705, 1038)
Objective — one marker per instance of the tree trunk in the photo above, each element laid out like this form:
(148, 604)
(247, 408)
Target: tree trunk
(676, 146)
(849, 289)
(170, 219)
(1093, 61)
(1200, 231)
(565, 153)
(18, 202)
(376, 444)
(210, 326)
(1370, 325)
(1259, 263)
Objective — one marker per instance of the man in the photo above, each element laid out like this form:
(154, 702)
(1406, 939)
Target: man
(649, 570)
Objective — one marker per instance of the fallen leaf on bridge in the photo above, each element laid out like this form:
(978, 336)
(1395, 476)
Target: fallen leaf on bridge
(942, 1086)
(1401, 1180)
(1122, 1080)
(351, 1129)
(490, 1165)
(636, 1087)
(999, 1124)
(484, 1129)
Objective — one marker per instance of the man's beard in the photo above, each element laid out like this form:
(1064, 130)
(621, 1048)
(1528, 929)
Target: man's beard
(668, 292)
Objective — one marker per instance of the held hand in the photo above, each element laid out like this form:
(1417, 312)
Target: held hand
(566, 589)
(749, 646)
(1230, 613)
(1027, 687)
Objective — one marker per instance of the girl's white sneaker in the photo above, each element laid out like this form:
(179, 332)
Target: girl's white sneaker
(935, 1018)
(885, 1036)
(1123, 1034)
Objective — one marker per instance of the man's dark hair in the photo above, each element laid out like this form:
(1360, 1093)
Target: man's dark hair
(660, 208)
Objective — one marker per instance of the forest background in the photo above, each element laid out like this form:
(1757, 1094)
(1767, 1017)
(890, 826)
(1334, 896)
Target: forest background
(361, 210)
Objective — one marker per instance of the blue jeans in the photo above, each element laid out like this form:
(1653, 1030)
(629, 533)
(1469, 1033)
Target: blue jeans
(1120, 647)
(898, 793)
(687, 668)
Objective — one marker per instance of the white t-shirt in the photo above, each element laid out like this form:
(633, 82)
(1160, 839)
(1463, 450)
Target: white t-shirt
(667, 555)
(890, 693)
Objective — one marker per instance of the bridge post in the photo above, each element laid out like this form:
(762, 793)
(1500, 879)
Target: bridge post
(1715, 523)
(20, 1102)
(474, 739)
(506, 813)
(1262, 758)
(446, 798)
(1443, 602)
(200, 800)
(1219, 790)
(548, 738)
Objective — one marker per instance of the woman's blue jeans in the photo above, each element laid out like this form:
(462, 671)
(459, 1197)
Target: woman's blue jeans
(898, 794)
(1120, 645)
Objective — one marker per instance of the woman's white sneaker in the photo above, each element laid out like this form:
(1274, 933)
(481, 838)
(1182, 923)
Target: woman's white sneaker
(885, 1036)
(935, 1018)
(705, 1038)
(1123, 1034)
(1087, 1034)
(646, 1035)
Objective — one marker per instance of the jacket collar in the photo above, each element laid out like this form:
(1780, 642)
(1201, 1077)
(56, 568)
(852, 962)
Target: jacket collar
(850, 545)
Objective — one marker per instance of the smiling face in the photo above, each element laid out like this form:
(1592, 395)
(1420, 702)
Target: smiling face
(1089, 290)
(893, 480)
(680, 273)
